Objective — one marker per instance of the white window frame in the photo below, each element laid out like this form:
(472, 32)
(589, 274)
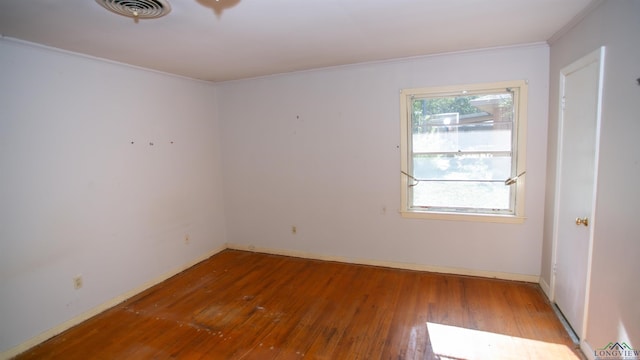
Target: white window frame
(518, 171)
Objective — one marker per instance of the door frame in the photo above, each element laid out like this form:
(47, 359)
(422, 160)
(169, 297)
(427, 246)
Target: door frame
(595, 56)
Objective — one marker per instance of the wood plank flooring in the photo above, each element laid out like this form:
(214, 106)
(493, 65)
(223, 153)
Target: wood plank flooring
(244, 305)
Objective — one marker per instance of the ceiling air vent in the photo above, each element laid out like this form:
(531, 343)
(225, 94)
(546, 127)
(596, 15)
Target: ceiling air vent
(137, 9)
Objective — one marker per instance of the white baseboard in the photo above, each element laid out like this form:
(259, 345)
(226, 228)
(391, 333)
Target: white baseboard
(545, 288)
(391, 264)
(587, 350)
(100, 308)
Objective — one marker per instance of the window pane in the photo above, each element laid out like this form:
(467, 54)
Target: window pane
(462, 167)
(462, 123)
(461, 195)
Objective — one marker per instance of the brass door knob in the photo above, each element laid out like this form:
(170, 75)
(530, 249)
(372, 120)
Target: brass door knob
(584, 221)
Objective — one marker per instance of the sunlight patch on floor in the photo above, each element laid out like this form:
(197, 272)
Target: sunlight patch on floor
(452, 342)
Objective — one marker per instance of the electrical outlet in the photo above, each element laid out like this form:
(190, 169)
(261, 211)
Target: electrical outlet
(77, 282)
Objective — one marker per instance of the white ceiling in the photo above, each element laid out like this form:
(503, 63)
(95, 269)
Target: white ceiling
(234, 39)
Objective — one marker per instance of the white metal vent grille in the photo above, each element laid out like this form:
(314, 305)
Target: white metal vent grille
(137, 9)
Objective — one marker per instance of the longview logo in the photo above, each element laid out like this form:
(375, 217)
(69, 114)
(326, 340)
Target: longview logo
(617, 350)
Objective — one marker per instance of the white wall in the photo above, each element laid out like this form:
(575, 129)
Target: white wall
(319, 150)
(614, 311)
(76, 197)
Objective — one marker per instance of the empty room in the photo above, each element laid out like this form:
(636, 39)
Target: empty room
(245, 179)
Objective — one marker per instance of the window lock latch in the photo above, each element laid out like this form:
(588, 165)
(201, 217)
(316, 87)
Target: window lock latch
(512, 180)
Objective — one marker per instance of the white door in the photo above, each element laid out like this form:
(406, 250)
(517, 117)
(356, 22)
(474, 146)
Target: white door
(579, 123)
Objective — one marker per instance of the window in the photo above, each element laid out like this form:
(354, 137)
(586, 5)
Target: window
(463, 152)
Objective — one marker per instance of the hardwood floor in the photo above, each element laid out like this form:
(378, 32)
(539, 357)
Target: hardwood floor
(243, 305)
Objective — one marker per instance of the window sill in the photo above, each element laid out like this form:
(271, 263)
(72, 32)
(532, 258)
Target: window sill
(490, 218)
